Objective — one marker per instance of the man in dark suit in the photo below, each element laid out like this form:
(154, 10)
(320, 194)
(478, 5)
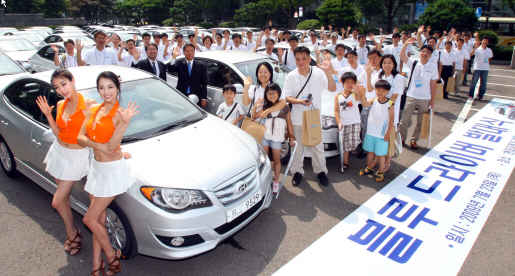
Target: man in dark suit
(191, 73)
(151, 64)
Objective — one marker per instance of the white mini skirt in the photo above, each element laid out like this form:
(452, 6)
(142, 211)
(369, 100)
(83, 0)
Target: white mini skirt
(67, 164)
(107, 179)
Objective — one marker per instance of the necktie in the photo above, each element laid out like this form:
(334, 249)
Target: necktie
(189, 73)
(154, 67)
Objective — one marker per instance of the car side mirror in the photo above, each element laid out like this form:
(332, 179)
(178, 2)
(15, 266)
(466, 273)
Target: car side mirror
(239, 87)
(194, 98)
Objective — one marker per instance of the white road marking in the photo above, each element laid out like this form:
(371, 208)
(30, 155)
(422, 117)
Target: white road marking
(465, 110)
(499, 96)
(499, 76)
(504, 70)
(499, 84)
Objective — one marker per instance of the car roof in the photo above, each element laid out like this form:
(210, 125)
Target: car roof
(12, 37)
(86, 76)
(230, 56)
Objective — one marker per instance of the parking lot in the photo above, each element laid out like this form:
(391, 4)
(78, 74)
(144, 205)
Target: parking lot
(32, 232)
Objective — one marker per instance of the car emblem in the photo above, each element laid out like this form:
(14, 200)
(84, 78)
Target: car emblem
(242, 187)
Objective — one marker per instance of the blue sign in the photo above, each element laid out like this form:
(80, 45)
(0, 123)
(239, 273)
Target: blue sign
(419, 9)
(479, 11)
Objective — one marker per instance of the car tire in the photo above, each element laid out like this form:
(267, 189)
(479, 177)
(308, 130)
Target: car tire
(120, 231)
(7, 159)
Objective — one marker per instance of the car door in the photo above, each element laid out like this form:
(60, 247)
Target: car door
(43, 60)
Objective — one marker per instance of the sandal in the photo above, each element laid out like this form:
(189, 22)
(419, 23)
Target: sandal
(73, 244)
(413, 144)
(366, 171)
(115, 266)
(345, 166)
(98, 270)
(379, 176)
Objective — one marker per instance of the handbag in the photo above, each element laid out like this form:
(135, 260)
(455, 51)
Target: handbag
(254, 129)
(311, 128)
(304, 86)
(403, 96)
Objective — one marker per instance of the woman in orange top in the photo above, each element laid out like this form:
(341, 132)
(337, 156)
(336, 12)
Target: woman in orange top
(66, 161)
(109, 174)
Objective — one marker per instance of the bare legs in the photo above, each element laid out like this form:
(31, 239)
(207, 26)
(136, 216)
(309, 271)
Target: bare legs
(61, 203)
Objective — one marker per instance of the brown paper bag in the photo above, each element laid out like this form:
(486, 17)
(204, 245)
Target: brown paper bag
(451, 83)
(439, 91)
(254, 129)
(424, 132)
(311, 128)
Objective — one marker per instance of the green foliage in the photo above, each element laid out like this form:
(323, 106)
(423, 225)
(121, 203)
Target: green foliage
(444, 14)
(502, 52)
(139, 11)
(408, 27)
(254, 13)
(309, 24)
(53, 8)
(338, 13)
(493, 38)
(185, 11)
(227, 24)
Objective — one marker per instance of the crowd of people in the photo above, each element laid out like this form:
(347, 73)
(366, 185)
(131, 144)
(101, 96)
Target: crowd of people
(371, 103)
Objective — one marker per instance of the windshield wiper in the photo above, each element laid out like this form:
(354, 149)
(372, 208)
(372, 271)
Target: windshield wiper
(129, 139)
(177, 124)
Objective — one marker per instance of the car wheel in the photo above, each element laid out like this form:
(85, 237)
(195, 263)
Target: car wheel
(120, 232)
(285, 153)
(7, 159)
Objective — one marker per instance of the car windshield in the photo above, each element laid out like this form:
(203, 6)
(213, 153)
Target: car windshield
(249, 69)
(86, 41)
(33, 37)
(160, 106)
(13, 45)
(8, 66)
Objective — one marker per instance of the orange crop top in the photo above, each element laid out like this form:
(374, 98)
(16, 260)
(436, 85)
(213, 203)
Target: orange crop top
(104, 128)
(68, 131)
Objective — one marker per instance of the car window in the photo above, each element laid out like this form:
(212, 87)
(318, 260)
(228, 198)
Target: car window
(9, 66)
(249, 69)
(219, 74)
(16, 45)
(48, 53)
(51, 39)
(22, 95)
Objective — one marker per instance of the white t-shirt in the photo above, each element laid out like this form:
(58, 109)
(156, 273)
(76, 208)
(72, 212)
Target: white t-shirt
(447, 58)
(360, 73)
(423, 74)
(481, 60)
(142, 52)
(223, 111)
(289, 59)
(161, 51)
(251, 45)
(434, 57)
(362, 55)
(105, 57)
(378, 119)
(271, 55)
(316, 85)
(349, 111)
(339, 64)
(68, 61)
(461, 55)
(395, 51)
(257, 92)
(128, 59)
(239, 48)
(397, 87)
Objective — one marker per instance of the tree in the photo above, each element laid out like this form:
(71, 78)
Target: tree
(254, 13)
(287, 8)
(185, 11)
(510, 4)
(23, 6)
(391, 8)
(139, 11)
(338, 13)
(53, 8)
(445, 14)
(309, 24)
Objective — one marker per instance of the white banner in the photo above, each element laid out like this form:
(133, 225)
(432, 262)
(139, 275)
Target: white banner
(426, 220)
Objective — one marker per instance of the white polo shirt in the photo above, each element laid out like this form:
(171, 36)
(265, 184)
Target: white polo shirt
(461, 56)
(362, 55)
(105, 57)
(482, 55)
(447, 58)
(339, 64)
(395, 51)
(289, 59)
(316, 85)
(422, 76)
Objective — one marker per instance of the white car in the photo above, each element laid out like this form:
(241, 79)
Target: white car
(56, 38)
(35, 37)
(199, 180)
(18, 49)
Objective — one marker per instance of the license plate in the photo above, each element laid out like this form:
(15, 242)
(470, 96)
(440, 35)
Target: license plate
(243, 207)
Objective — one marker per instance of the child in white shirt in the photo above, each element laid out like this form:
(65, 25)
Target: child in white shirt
(379, 127)
(230, 110)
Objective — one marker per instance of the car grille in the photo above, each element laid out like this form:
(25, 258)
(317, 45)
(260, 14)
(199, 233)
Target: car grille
(237, 187)
(224, 228)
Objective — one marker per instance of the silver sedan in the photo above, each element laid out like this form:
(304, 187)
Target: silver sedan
(199, 179)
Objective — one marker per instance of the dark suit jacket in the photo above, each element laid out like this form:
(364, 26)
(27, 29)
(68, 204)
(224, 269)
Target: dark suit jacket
(145, 66)
(197, 81)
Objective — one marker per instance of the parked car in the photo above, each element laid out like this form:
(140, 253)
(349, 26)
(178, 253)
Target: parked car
(9, 66)
(34, 37)
(18, 49)
(191, 193)
(86, 40)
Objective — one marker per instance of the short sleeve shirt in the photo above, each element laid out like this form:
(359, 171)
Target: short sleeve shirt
(461, 56)
(481, 61)
(105, 57)
(423, 74)
(224, 110)
(316, 85)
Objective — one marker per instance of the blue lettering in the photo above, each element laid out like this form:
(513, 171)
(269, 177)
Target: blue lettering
(470, 148)
(371, 224)
(412, 185)
(422, 217)
(445, 172)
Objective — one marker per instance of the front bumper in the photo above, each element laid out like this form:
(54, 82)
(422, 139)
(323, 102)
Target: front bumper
(330, 141)
(202, 229)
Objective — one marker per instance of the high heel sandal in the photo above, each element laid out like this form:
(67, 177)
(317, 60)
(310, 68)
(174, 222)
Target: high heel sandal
(74, 244)
(98, 270)
(115, 266)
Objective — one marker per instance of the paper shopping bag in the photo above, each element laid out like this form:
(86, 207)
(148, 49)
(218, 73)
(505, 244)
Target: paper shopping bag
(439, 91)
(395, 144)
(451, 82)
(426, 124)
(311, 128)
(253, 128)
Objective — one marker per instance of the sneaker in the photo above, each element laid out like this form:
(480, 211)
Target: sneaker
(297, 178)
(275, 187)
(322, 179)
(379, 176)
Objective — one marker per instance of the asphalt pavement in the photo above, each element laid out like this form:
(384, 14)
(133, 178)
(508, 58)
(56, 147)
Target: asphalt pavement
(32, 234)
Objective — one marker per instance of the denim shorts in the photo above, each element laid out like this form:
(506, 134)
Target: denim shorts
(271, 144)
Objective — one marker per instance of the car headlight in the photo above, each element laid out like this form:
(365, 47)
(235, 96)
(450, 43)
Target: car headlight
(175, 200)
(328, 122)
(261, 158)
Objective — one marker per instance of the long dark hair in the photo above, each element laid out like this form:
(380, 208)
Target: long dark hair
(61, 73)
(268, 67)
(394, 70)
(114, 78)
(274, 87)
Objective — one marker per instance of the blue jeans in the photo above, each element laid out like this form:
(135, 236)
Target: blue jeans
(479, 74)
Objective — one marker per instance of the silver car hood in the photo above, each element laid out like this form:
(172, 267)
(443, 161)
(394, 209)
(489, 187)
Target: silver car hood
(200, 156)
(21, 55)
